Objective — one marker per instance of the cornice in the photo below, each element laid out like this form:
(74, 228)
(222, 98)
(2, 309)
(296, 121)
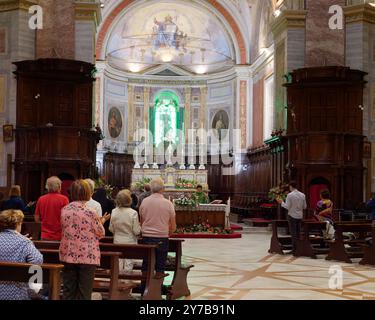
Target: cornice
(86, 11)
(360, 13)
(289, 19)
(11, 5)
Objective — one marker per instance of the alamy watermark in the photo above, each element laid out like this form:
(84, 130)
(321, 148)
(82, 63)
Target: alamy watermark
(336, 279)
(36, 279)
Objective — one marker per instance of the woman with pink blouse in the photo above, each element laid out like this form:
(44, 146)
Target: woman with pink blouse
(82, 228)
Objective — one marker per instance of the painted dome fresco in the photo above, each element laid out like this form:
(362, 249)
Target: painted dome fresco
(186, 36)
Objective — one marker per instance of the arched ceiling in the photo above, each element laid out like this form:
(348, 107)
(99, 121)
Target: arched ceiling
(194, 35)
(169, 32)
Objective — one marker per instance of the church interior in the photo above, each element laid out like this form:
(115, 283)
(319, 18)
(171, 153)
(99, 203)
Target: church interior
(239, 108)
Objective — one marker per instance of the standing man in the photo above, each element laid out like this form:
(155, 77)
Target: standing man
(48, 210)
(158, 222)
(145, 194)
(295, 204)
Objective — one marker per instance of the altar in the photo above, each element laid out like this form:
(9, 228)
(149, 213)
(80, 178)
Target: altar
(177, 182)
(213, 214)
(182, 184)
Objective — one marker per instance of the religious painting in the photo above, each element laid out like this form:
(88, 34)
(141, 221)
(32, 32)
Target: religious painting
(166, 34)
(220, 124)
(166, 119)
(8, 133)
(367, 150)
(114, 122)
(169, 32)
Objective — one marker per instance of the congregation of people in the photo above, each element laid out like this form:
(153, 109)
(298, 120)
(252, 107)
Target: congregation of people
(79, 222)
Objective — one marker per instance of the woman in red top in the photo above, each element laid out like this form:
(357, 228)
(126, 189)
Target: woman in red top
(82, 228)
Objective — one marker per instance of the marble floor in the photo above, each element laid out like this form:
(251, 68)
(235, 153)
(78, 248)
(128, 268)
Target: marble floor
(241, 269)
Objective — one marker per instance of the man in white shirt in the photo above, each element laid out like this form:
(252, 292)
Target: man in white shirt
(92, 204)
(295, 204)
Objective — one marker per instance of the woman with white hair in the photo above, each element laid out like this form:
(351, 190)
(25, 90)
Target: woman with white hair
(48, 210)
(92, 204)
(125, 225)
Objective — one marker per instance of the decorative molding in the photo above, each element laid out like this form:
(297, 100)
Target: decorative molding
(11, 5)
(360, 13)
(289, 19)
(88, 12)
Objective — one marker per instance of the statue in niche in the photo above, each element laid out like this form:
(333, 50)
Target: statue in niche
(220, 124)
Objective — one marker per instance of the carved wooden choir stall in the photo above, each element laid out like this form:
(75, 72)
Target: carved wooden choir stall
(54, 133)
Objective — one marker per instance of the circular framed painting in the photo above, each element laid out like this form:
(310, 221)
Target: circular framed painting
(220, 124)
(114, 122)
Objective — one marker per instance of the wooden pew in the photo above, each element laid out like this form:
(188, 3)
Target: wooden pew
(280, 243)
(312, 240)
(344, 250)
(369, 250)
(179, 287)
(19, 272)
(33, 229)
(137, 252)
(112, 289)
(152, 284)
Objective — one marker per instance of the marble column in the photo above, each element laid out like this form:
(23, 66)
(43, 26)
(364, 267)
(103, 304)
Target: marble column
(130, 113)
(289, 37)
(57, 38)
(146, 101)
(360, 54)
(203, 108)
(324, 47)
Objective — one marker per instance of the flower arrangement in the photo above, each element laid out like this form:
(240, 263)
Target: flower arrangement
(185, 184)
(101, 183)
(204, 228)
(185, 202)
(279, 192)
(140, 184)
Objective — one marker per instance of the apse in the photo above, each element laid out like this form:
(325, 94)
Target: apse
(165, 32)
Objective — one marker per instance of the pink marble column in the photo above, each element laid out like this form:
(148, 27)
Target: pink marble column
(57, 38)
(324, 47)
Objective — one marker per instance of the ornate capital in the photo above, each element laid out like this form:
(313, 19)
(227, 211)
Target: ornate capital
(289, 19)
(10, 5)
(364, 12)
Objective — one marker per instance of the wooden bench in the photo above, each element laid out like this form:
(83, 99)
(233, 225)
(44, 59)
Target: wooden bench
(33, 229)
(280, 243)
(369, 250)
(312, 240)
(152, 285)
(345, 249)
(179, 287)
(113, 289)
(19, 272)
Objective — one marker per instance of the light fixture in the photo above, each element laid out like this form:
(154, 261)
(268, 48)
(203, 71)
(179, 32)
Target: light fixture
(135, 67)
(201, 69)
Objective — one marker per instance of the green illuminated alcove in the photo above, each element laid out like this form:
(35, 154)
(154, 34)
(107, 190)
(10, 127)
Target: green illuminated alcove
(166, 118)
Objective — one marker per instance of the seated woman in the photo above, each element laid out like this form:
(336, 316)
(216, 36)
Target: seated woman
(15, 202)
(14, 247)
(125, 225)
(324, 213)
(324, 207)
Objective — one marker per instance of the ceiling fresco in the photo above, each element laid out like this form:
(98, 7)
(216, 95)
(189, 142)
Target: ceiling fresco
(170, 33)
